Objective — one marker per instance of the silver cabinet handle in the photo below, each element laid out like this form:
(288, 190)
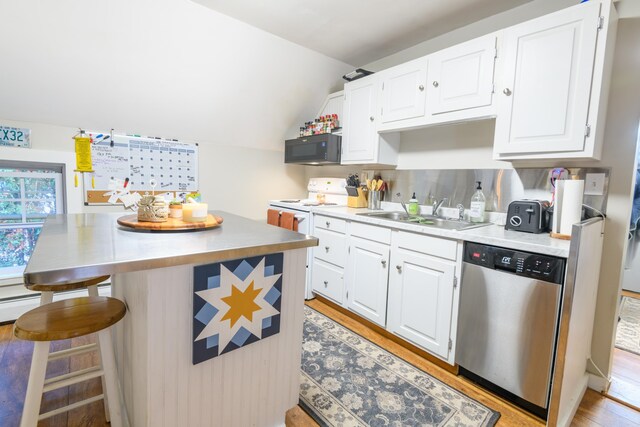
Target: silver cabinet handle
(384, 263)
(328, 224)
(421, 87)
(371, 118)
(507, 91)
(436, 84)
(399, 268)
(326, 248)
(326, 283)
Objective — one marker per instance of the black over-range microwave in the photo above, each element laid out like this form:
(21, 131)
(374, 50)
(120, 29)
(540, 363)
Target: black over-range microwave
(313, 150)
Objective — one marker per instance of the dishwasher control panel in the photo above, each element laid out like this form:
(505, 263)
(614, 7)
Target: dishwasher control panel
(542, 267)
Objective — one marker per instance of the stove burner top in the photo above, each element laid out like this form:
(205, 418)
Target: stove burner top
(319, 204)
(290, 201)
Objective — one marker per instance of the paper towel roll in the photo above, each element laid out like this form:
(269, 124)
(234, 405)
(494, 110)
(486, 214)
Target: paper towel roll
(568, 209)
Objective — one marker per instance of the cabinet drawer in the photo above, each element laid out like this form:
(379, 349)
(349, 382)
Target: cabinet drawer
(371, 232)
(329, 223)
(436, 246)
(328, 280)
(331, 248)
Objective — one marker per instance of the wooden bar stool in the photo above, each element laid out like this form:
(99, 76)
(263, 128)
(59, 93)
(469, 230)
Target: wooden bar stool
(64, 320)
(48, 290)
(46, 296)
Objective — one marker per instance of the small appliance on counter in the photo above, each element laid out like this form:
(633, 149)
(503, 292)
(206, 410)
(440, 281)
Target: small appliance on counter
(529, 216)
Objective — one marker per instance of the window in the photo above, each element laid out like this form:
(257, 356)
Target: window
(27, 196)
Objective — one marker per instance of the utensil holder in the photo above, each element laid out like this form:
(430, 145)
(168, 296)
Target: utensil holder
(359, 201)
(375, 197)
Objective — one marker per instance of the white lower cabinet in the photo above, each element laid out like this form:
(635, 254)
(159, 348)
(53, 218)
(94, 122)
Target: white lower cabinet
(366, 276)
(421, 290)
(404, 282)
(328, 280)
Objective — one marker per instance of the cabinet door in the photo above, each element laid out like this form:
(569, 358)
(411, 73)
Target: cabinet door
(366, 276)
(359, 133)
(403, 91)
(543, 103)
(421, 300)
(461, 77)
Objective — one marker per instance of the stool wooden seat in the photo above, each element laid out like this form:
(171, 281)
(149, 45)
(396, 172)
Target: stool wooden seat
(69, 318)
(63, 320)
(67, 286)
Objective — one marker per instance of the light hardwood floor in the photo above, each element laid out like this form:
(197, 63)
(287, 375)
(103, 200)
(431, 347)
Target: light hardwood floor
(625, 372)
(15, 359)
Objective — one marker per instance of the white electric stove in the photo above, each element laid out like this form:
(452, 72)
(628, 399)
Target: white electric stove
(324, 192)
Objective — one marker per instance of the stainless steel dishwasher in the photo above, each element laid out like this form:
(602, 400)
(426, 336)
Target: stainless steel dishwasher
(508, 321)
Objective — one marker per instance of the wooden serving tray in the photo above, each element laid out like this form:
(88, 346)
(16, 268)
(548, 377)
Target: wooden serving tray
(172, 224)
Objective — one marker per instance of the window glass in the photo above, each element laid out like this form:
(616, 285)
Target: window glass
(26, 198)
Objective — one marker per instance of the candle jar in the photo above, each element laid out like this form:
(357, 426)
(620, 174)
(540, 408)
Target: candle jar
(175, 211)
(194, 212)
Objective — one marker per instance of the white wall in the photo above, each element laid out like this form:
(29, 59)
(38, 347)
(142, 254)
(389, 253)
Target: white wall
(169, 68)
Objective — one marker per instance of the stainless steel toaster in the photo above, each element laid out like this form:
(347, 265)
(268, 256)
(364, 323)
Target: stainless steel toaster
(529, 216)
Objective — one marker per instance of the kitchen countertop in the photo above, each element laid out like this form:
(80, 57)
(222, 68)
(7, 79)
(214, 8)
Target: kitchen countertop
(77, 246)
(490, 234)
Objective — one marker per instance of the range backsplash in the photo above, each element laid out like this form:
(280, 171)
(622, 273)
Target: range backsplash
(500, 186)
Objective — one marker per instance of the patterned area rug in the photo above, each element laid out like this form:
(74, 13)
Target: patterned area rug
(349, 381)
(628, 333)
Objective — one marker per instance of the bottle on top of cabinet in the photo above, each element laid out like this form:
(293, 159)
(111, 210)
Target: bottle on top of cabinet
(476, 211)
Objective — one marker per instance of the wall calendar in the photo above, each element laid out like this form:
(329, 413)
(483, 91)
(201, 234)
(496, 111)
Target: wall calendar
(173, 165)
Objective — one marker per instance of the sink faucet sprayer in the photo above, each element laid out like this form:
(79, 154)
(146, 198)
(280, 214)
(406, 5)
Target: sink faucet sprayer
(436, 206)
(399, 196)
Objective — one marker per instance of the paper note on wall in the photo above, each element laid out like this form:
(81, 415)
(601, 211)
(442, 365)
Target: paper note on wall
(83, 154)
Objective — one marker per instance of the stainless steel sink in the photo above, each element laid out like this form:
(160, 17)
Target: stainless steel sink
(426, 220)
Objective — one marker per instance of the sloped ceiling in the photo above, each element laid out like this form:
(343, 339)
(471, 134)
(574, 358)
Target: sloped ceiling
(359, 31)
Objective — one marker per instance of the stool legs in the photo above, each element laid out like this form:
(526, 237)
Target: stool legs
(37, 373)
(111, 377)
(46, 297)
(93, 292)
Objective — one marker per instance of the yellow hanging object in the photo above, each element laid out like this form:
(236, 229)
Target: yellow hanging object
(75, 180)
(83, 153)
(93, 181)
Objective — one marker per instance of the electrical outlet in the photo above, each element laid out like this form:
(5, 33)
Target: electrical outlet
(594, 184)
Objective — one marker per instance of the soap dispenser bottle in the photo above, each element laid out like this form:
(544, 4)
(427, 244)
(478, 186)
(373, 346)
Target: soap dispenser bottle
(476, 211)
(413, 207)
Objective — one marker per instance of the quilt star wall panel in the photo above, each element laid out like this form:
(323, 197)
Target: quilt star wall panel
(235, 303)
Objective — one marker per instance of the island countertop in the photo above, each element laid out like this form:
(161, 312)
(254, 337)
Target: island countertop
(77, 246)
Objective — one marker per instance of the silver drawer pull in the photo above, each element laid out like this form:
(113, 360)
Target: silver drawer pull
(421, 87)
(326, 248)
(328, 223)
(326, 283)
(507, 91)
(436, 84)
(399, 268)
(384, 263)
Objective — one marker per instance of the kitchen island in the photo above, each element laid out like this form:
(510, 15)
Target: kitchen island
(214, 326)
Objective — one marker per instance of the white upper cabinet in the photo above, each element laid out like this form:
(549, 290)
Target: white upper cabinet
(545, 96)
(461, 77)
(359, 126)
(361, 143)
(403, 91)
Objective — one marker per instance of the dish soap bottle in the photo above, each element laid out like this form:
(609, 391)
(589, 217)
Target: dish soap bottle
(413, 206)
(476, 212)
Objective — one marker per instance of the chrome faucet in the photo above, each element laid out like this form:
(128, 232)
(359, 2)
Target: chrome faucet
(460, 212)
(399, 196)
(436, 206)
